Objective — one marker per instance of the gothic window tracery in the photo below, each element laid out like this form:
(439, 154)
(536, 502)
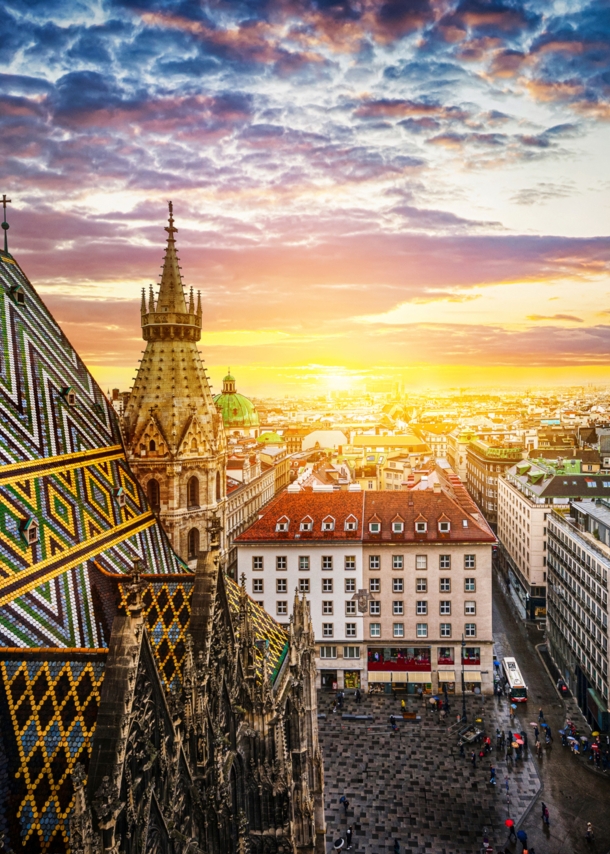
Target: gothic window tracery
(193, 543)
(152, 493)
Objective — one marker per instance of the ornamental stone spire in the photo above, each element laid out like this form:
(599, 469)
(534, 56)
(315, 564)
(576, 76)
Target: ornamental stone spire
(173, 432)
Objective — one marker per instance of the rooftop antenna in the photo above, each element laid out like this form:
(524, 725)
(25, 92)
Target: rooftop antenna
(5, 224)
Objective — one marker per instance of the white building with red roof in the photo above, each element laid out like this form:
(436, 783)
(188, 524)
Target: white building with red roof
(395, 580)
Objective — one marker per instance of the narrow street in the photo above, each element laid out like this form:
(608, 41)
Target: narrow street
(573, 793)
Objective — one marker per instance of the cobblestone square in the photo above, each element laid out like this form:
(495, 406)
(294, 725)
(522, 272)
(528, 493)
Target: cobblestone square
(413, 785)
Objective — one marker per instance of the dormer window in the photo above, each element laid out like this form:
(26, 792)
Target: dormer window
(307, 524)
(119, 494)
(328, 524)
(374, 527)
(351, 523)
(69, 395)
(398, 527)
(17, 294)
(444, 527)
(464, 523)
(31, 530)
(421, 527)
(282, 524)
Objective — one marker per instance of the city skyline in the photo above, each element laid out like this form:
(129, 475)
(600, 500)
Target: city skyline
(366, 192)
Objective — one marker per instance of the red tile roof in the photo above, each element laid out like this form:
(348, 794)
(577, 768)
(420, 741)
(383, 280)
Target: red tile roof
(452, 505)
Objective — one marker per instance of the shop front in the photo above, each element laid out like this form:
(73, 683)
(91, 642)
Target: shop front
(351, 679)
(446, 681)
(472, 682)
(328, 680)
(401, 669)
(419, 681)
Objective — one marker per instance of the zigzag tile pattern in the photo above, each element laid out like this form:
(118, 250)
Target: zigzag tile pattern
(62, 464)
(53, 707)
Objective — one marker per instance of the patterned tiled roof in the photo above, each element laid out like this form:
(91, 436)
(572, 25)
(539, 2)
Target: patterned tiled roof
(63, 469)
(292, 509)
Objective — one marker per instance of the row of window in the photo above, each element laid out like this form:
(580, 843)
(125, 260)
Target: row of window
(398, 562)
(348, 652)
(421, 630)
(398, 585)
(351, 524)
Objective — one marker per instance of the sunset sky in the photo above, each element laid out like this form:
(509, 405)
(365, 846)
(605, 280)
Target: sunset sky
(365, 190)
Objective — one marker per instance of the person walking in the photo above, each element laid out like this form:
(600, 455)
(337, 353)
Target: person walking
(511, 829)
(344, 802)
(462, 749)
(589, 833)
(522, 837)
(348, 837)
(396, 846)
(403, 706)
(546, 817)
(358, 696)
(540, 715)
(492, 774)
(542, 809)
(473, 759)
(539, 750)
(536, 733)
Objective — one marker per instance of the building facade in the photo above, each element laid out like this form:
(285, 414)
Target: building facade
(399, 583)
(174, 435)
(484, 464)
(577, 610)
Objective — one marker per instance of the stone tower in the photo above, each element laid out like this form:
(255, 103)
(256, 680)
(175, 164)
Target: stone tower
(173, 432)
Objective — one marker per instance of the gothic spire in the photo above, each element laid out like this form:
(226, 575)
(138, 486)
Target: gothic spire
(171, 294)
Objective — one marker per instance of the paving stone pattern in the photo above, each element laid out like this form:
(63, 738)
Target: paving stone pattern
(413, 785)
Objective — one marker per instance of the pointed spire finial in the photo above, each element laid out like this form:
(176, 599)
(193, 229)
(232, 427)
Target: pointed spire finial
(171, 229)
(5, 224)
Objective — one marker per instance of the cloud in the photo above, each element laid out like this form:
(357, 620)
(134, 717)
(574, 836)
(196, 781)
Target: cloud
(570, 318)
(542, 192)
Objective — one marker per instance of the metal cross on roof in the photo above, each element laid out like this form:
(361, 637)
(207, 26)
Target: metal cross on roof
(5, 224)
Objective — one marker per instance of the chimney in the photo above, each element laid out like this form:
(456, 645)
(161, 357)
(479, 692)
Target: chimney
(436, 487)
(115, 394)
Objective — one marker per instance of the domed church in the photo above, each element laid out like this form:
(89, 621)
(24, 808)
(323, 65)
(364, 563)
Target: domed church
(238, 413)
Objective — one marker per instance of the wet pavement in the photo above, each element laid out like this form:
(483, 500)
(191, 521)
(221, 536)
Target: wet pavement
(413, 785)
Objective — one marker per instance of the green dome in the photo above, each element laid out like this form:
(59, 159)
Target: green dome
(236, 410)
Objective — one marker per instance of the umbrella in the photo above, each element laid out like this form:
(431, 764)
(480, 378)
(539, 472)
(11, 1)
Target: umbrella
(544, 726)
(595, 747)
(512, 705)
(515, 744)
(509, 822)
(562, 732)
(571, 738)
(583, 737)
(496, 663)
(518, 739)
(595, 733)
(533, 723)
(522, 836)
(479, 720)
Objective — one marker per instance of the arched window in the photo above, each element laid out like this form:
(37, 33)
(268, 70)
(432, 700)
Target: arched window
(152, 445)
(192, 490)
(193, 543)
(152, 493)
(194, 445)
(218, 492)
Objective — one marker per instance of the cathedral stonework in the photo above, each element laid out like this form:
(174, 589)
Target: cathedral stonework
(174, 435)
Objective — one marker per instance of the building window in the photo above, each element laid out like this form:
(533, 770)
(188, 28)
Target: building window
(374, 527)
(350, 630)
(398, 527)
(469, 561)
(350, 608)
(399, 630)
(375, 608)
(421, 527)
(374, 561)
(375, 630)
(281, 608)
(304, 562)
(421, 562)
(470, 630)
(327, 606)
(327, 561)
(351, 524)
(422, 630)
(444, 585)
(260, 602)
(257, 563)
(470, 585)
(398, 562)
(445, 607)
(192, 490)
(257, 585)
(327, 585)
(351, 652)
(281, 563)
(446, 630)
(328, 524)
(282, 524)
(421, 585)
(398, 585)
(303, 585)
(350, 562)
(470, 608)
(350, 585)
(281, 585)
(374, 585)
(152, 493)
(444, 561)
(193, 543)
(328, 652)
(444, 527)
(328, 630)
(307, 524)
(397, 608)
(421, 607)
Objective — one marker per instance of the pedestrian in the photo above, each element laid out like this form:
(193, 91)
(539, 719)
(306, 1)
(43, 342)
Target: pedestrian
(403, 706)
(539, 750)
(396, 846)
(546, 817)
(589, 833)
(420, 693)
(462, 748)
(492, 774)
(536, 733)
(522, 837)
(511, 829)
(509, 751)
(512, 717)
(393, 723)
(540, 715)
(358, 696)
(473, 759)
(348, 837)
(542, 808)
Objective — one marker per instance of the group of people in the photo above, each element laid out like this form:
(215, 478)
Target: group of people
(339, 699)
